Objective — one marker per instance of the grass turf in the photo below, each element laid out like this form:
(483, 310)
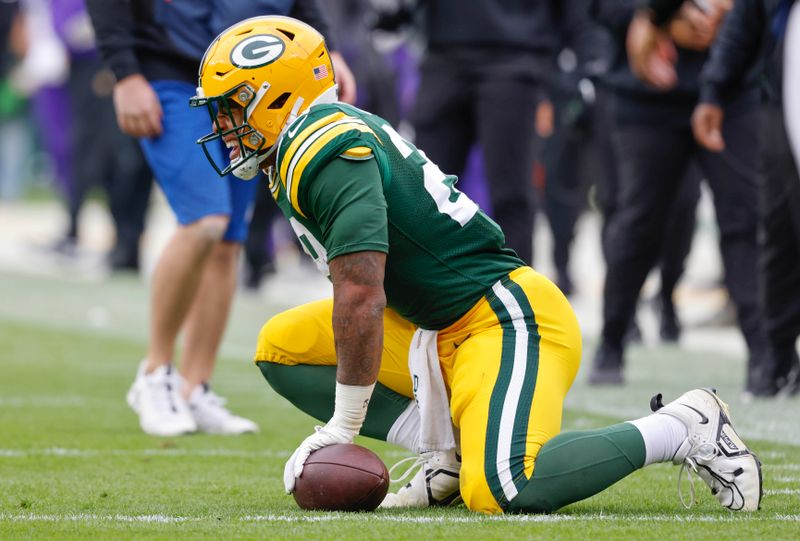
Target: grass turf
(73, 464)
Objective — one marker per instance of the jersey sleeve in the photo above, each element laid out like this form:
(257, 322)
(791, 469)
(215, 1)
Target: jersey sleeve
(346, 201)
(317, 144)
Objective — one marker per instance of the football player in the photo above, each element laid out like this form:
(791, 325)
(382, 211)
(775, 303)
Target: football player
(422, 281)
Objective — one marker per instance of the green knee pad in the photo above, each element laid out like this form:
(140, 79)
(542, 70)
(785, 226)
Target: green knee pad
(312, 389)
(576, 465)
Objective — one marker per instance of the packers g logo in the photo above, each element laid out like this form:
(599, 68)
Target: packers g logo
(257, 51)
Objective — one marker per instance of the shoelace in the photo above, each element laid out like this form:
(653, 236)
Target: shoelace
(704, 453)
(418, 461)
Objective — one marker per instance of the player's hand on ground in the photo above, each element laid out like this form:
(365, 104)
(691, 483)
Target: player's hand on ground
(323, 437)
(138, 107)
(707, 126)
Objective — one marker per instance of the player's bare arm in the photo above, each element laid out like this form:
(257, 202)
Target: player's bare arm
(358, 304)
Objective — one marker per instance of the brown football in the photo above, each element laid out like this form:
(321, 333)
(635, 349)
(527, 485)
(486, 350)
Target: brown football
(342, 477)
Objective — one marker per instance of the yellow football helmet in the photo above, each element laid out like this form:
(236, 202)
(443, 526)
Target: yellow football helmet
(273, 68)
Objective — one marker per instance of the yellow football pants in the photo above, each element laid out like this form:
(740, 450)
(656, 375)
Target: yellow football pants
(508, 364)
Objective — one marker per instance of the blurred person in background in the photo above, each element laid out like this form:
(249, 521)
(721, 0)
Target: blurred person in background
(8, 13)
(654, 145)
(116, 161)
(154, 48)
(579, 154)
(680, 225)
(40, 74)
(75, 119)
(746, 65)
(482, 78)
(681, 222)
(569, 156)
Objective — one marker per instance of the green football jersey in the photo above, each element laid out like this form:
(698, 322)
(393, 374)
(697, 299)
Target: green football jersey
(348, 182)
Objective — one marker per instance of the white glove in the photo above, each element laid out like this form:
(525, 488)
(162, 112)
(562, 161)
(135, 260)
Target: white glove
(348, 416)
(324, 436)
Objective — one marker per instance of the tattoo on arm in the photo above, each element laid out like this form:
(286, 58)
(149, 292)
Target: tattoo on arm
(358, 304)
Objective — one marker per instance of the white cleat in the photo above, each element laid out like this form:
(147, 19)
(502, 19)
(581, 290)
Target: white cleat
(435, 484)
(714, 451)
(209, 412)
(156, 398)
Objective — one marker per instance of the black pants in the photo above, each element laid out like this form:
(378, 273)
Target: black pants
(570, 160)
(780, 257)
(104, 156)
(651, 159)
(464, 97)
(682, 216)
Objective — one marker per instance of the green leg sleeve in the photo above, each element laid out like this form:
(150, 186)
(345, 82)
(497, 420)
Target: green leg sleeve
(575, 465)
(313, 388)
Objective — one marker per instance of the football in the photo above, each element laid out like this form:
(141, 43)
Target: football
(342, 477)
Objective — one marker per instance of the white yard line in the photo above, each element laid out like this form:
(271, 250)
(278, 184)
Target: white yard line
(46, 401)
(93, 453)
(331, 517)
(786, 479)
(783, 491)
(88, 517)
(407, 519)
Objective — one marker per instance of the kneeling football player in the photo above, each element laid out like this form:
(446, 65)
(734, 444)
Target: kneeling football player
(426, 299)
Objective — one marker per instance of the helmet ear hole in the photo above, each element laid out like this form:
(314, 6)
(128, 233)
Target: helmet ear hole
(280, 101)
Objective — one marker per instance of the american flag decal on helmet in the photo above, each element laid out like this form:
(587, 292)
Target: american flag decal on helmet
(320, 72)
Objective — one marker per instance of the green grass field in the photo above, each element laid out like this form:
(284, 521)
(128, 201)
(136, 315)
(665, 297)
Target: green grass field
(74, 464)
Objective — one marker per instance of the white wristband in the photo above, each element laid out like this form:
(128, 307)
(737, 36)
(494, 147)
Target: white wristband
(351, 406)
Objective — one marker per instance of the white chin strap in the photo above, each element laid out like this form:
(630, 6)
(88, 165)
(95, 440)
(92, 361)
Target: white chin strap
(246, 169)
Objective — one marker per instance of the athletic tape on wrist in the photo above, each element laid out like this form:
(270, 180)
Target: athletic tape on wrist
(351, 406)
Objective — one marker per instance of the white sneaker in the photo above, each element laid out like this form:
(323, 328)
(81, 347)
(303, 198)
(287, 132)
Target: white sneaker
(714, 451)
(209, 412)
(435, 484)
(156, 398)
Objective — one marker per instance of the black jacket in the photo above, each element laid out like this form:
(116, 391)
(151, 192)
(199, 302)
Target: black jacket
(744, 65)
(533, 25)
(166, 39)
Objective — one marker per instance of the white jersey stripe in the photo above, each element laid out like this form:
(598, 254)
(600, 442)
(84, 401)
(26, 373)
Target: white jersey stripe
(511, 401)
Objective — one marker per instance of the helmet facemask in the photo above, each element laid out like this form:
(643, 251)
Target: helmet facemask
(251, 143)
